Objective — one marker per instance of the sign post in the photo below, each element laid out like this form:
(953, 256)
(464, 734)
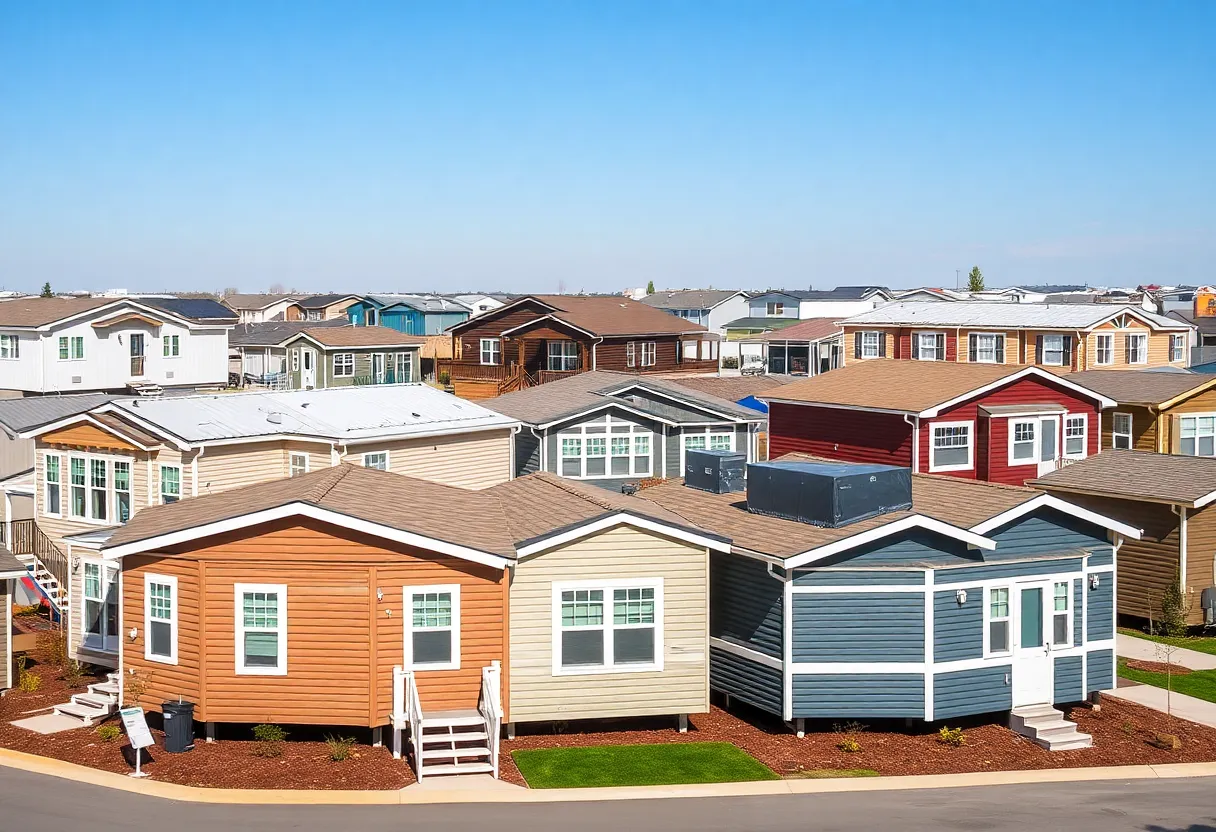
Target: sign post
(139, 735)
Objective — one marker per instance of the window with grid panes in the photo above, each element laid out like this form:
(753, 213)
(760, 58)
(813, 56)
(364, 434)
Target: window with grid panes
(431, 630)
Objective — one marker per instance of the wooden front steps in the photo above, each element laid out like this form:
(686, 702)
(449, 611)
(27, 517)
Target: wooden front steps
(454, 742)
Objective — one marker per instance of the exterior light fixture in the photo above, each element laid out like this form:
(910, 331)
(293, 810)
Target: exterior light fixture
(1094, 581)
(961, 596)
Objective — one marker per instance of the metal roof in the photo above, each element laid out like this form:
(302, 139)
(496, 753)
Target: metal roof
(17, 415)
(340, 413)
(1000, 314)
(423, 303)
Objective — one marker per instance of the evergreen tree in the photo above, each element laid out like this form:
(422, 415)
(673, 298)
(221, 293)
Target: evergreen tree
(650, 288)
(46, 290)
(975, 280)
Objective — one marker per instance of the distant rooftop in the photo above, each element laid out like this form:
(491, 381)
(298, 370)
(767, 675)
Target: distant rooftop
(689, 298)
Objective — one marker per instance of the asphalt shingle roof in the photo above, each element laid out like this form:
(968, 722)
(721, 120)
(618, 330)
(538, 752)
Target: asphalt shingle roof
(1137, 475)
(273, 333)
(1141, 386)
(1001, 314)
(689, 298)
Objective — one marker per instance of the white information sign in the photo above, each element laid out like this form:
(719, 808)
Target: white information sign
(139, 735)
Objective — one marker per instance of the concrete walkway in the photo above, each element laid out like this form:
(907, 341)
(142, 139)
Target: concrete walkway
(1131, 647)
(1181, 705)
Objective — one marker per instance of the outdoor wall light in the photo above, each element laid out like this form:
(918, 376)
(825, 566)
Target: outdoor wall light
(134, 632)
(1093, 581)
(961, 596)
(379, 594)
(389, 612)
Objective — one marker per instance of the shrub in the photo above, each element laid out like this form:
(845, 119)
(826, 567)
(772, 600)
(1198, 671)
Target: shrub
(53, 647)
(108, 733)
(951, 736)
(1174, 608)
(445, 378)
(849, 745)
(135, 686)
(269, 740)
(1128, 727)
(27, 682)
(73, 673)
(339, 747)
(730, 362)
(848, 731)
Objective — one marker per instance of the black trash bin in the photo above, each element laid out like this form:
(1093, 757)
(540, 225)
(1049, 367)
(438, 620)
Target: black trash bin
(179, 726)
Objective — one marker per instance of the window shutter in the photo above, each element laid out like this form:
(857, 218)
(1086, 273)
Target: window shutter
(857, 345)
(971, 348)
(1038, 349)
(1127, 349)
(1000, 349)
(941, 347)
(915, 346)
(882, 345)
(1067, 357)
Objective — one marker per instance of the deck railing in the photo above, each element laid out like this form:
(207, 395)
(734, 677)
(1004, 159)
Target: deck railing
(490, 706)
(23, 534)
(407, 710)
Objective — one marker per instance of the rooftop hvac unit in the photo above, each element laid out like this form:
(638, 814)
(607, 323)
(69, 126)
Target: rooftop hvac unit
(830, 494)
(719, 472)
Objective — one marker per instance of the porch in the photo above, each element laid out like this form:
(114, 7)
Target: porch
(463, 741)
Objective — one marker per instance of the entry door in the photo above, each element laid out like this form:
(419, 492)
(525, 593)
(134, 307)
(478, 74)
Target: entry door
(1032, 672)
(378, 368)
(1049, 444)
(136, 340)
(308, 369)
(403, 371)
(100, 608)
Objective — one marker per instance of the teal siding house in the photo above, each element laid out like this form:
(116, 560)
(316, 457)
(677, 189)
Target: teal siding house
(408, 314)
(856, 591)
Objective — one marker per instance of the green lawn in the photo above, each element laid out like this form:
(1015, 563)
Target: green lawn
(1201, 644)
(1199, 683)
(639, 765)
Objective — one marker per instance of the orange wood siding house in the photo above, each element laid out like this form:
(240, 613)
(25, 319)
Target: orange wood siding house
(1169, 413)
(1072, 337)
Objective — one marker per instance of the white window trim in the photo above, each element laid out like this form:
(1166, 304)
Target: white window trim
(1196, 417)
(998, 355)
(1181, 340)
(865, 334)
(65, 486)
(171, 582)
(70, 339)
(582, 435)
(171, 341)
(1114, 421)
(1064, 454)
(970, 426)
(1098, 349)
(630, 354)
(1068, 596)
(160, 483)
(1043, 357)
(1037, 424)
(708, 432)
(1143, 351)
(295, 360)
(388, 460)
(344, 369)
(83, 612)
(239, 591)
(649, 354)
(932, 333)
(292, 456)
(63, 492)
(495, 351)
(560, 355)
(407, 622)
(607, 587)
(986, 600)
(7, 342)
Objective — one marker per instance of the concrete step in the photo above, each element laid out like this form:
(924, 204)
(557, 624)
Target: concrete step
(1047, 727)
(450, 753)
(84, 713)
(1081, 741)
(93, 700)
(458, 768)
(104, 688)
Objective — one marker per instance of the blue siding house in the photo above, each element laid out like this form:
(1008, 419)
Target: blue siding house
(408, 314)
(940, 599)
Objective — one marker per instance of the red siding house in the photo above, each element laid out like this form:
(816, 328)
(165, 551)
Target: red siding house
(1003, 424)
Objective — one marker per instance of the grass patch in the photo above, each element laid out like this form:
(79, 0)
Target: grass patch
(639, 765)
(830, 773)
(1198, 683)
(1201, 644)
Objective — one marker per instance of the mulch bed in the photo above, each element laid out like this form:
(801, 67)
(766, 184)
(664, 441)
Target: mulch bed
(1158, 667)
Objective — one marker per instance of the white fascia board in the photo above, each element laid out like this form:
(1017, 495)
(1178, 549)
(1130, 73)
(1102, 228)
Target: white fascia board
(689, 403)
(82, 417)
(1206, 499)
(304, 336)
(770, 400)
(549, 317)
(597, 408)
(505, 306)
(178, 442)
(1010, 379)
(1138, 313)
(399, 437)
(916, 521)
(1048, 501)
(620, 519)
(301, 509)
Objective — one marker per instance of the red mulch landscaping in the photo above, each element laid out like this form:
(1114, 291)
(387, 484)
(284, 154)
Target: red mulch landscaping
(1158, 667)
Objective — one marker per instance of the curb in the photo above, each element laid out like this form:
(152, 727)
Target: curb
(502, 793)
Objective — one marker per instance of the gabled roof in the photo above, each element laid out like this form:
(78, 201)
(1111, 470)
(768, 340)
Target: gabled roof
(34, 312)
(1138, 475)
(998, 314)
(921, 388)
(1143, 386)
(810, 329)
(322, 301)
(690, 298)
(17, 415)
(274, 333)
(839, 293)
(254, 302)
(766, 324)
(336, 337)
(732, 388)
(568, 397)
(423, 303)
(605, 316)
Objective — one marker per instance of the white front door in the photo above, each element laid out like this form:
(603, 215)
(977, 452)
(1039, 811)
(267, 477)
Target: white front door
(1032, 671)
(1049, 444)
(99, 613)
(377, 368)
(308, 369)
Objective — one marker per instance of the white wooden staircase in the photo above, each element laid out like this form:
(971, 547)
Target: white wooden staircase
(461, 741)
(100, 702)
(1046, 726)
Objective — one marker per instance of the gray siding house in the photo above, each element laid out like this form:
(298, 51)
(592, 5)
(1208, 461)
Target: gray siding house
(975, 598)
(612, 428)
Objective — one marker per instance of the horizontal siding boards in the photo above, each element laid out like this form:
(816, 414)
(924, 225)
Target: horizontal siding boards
(231, 466)
(837, 433)
(859, 627)
(6, 632)
(1007, 570)
(913, 547)
(1044, 532)
(1101, 557)
(672, 443)
(879, 577)
(1100, 603)
(1099, 670)
(958, 629)
(165, 682)
(745, 680)
(1067, 671)
(1078, 605)
(465, 460)
(979, 690)
(859, 695)
(745, 604)
(527, 453)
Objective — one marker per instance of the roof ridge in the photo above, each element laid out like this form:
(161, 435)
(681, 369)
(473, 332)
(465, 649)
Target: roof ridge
(564, 485)
(958, 480)
(327, 484)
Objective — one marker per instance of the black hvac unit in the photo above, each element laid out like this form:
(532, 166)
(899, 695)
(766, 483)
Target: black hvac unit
(830, 494)
(720, 472)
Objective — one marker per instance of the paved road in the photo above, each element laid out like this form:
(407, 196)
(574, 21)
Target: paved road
(31, 803)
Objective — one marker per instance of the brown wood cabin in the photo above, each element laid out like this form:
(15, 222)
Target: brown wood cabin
(540, 338)
(1170, 413)
(1172, 499)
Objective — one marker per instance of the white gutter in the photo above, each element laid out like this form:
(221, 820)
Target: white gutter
(915, 424)
(194, 470)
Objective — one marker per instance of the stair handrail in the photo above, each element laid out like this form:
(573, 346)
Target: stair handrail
(490, 706)
(50, 558)
(414, 706)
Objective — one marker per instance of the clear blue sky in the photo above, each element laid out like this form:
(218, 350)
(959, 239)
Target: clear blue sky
(523, 147)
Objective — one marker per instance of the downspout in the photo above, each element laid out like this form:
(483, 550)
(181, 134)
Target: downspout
(202, 449)
(514, 433)
(594, 358)
(1182, 547)
(541, 450)
(915, 425)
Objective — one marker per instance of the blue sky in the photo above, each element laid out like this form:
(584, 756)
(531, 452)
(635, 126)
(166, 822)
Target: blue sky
(538, 146)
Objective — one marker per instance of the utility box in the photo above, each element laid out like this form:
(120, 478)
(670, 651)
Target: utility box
(719, 472)
(829, 494)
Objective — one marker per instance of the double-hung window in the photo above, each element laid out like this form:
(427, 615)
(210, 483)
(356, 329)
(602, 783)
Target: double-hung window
(1075, 435)
(122, 491)
(986, 348)
(344, 364)
(621, 448)
(160, 618)
(170, 483)
(377, 460)
(297, 464)
(432, 627)
(10, 347)
(641, 453)
(998, 620)
(709, 438)
(71, 348)
(648, 353)
(572, 456)
(79, 486)
(870, 345)
(563, 355)
(54, 483)
(1137, 349)
(98, 491)
(615, 448)
(608, 628)
(1061, 618)
(631, 357)
(930, 346)
(597, 453)
(171, 346)
(261, 629)
(951, 449)
(1121, 431)
(1053, 350)
(1022, 442)
(1177, 348)
(491, 351)
(1197, 435)
(1104, 349)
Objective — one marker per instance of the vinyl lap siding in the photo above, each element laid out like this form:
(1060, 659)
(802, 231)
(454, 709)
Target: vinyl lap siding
(859, 695)
(1044, 532)
(847, 435)
(745, 680)
(745, 604)
(165, 682)
(1007, 570)
(979, 690)
(1067, 672)
(466, 460)
(883, 577)
(958, 629)
(226, 467)
(859, 627)
(1100, 606)
(1099, 670)
(527, 452)
(682, 686)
